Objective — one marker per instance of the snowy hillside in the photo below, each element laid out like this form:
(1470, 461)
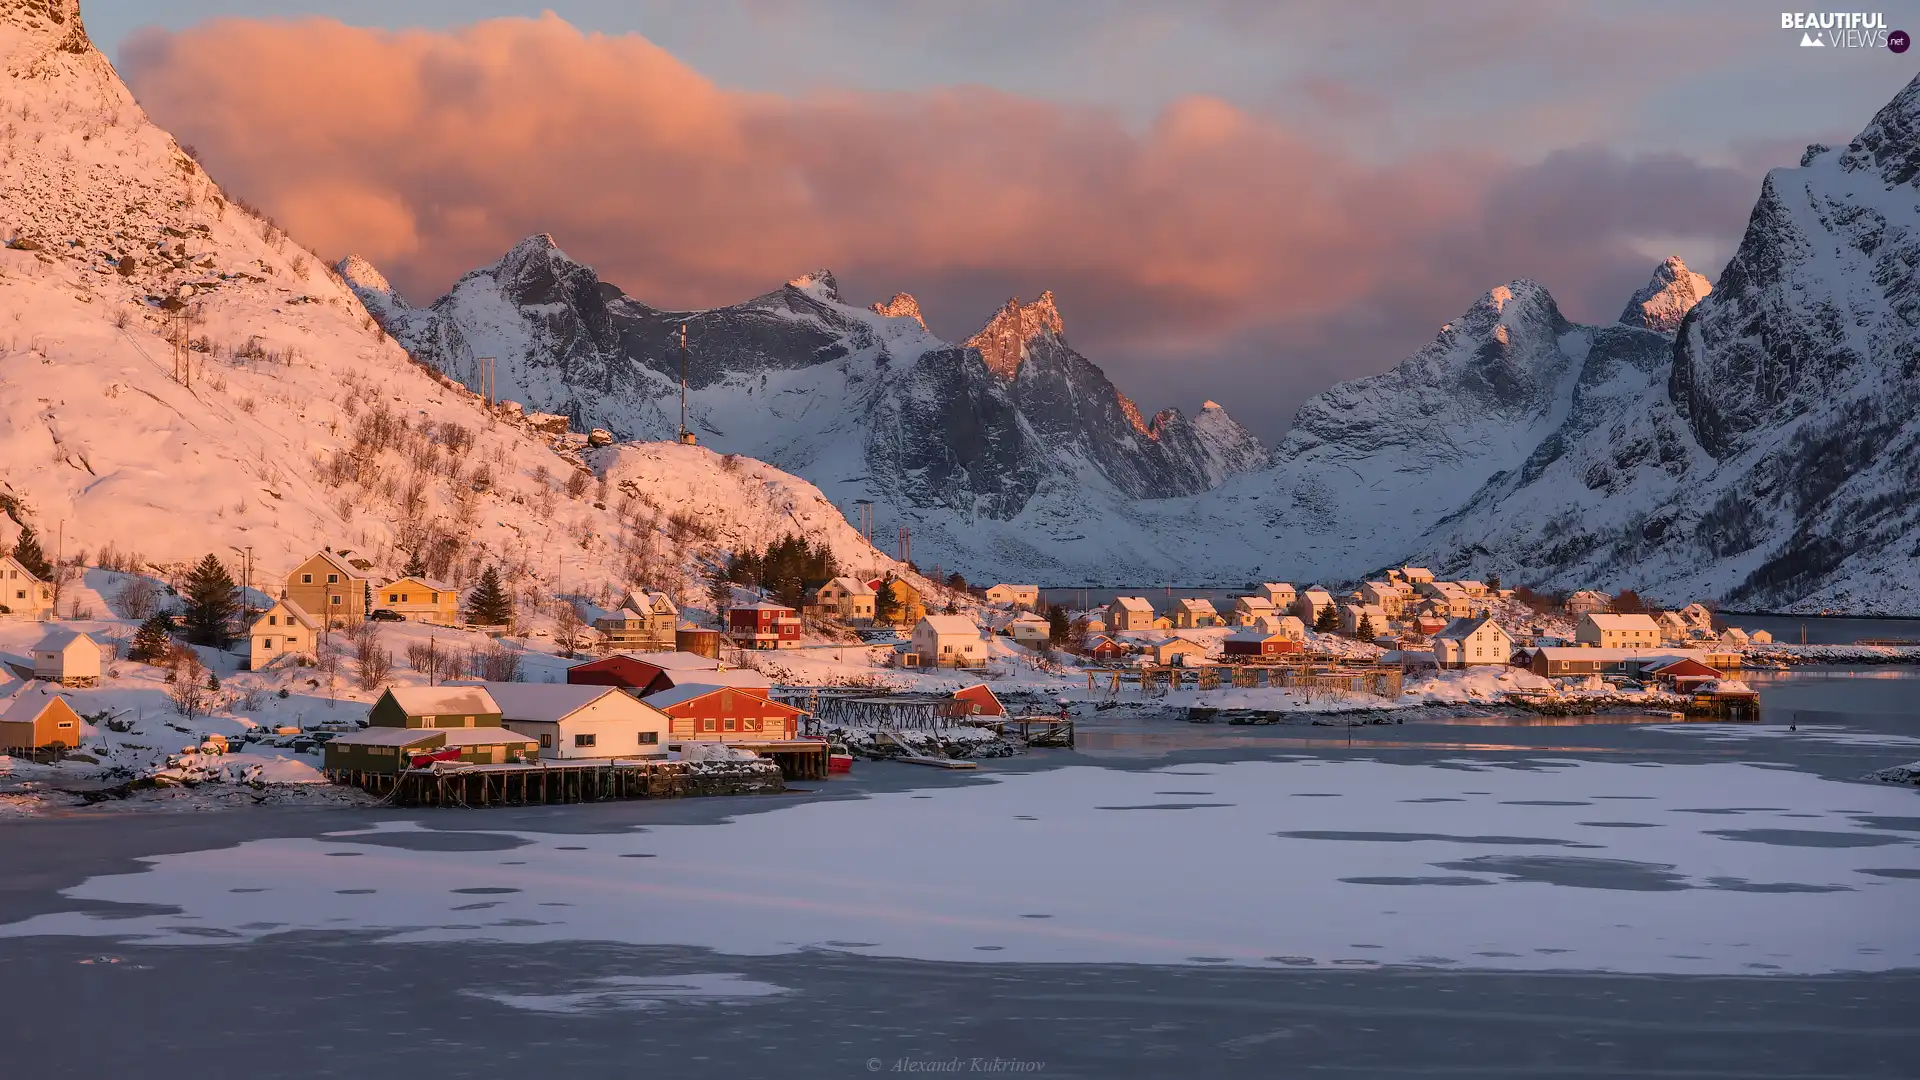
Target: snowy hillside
(296, 422)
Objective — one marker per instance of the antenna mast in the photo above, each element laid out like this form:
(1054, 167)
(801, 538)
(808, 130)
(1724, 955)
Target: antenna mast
(686, 437)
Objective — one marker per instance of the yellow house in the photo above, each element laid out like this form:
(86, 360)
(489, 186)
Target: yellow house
(21, 593)
(281, 629)
(328, 589)
(36, 720)
(908, 606)
(420, 599)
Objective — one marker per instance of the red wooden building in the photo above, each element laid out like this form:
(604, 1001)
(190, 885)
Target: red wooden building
(647, 674)
(1258, 643)
(1103, 648)
(697, 713)
(765, 625)
(979, 700)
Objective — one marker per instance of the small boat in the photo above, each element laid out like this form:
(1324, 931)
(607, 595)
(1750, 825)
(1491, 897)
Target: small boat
(839, 758)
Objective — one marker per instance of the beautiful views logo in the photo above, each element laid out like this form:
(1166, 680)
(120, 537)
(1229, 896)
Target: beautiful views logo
(1844, 30)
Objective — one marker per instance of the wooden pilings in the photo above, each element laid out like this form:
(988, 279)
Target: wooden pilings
(552, 782)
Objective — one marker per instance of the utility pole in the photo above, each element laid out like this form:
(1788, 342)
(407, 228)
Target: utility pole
(485, 368)
(246, 581)
(686, 437)
(906, 544)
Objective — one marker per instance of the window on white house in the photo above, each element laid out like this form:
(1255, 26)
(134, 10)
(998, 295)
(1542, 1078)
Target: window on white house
(584, 740)
(649, 738)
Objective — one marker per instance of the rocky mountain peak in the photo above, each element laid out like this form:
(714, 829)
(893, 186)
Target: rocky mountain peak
(371, 286)
(1891, 142)
(1002, 343)
(821, 284)
(902, 306)
(1667, 297)
(58, 20)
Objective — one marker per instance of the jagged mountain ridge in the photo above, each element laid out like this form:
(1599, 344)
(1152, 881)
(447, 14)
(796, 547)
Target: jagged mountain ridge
(1773, 464)
(798, 376)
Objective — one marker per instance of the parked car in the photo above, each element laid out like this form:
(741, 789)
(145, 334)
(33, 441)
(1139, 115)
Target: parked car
(386, 615)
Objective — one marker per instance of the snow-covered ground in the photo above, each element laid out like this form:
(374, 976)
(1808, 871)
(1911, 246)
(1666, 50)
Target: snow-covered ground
(1718, 868)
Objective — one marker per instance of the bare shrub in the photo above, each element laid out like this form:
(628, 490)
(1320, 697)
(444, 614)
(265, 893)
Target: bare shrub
(138, 598)
(495, 663)
(372, 663)
(569, 628)
(577, 483)
(186, 682)
(431, 659)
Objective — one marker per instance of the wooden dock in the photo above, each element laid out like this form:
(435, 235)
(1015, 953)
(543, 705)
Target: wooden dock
(548, 782)
(1047, 729)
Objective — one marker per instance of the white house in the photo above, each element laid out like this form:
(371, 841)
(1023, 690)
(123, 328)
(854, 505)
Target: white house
(947, 641)
(1467, 642)
(1290, 625)
(1026, 596)
(1472, 588)
(1672, 626)
(1129, 613)
(1308, 605)
(1351, 616)
(1388, 596)
(1587, 601)
(1414, 575)
(1248, 610)
(575, 721)
(67, 657)
(283, 629)
(1697, 616)
(1453, 600)
(1734, 638)
(1028, 629)
(1192, 613)
(21, 593)
(1176, 652)
(1278, 593)
(1617, 631)
(845, 598)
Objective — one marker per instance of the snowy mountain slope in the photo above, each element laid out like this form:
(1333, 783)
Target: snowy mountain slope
(300, 424)
(864, 401)
(1773, 466)
(1664, 301)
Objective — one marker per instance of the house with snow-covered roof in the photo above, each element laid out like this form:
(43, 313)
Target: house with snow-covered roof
(945, 641)
(576, 720)
(1193, 613)
(1472, 642)
(1308, 605)
(1029, 629)
(285, 629)
(1129, 613)
(21, 593)
(67, 657)
(1278, 593)
(1697, 615)
(645, 620)
(1353, 616)
(1026, 596)
(848, 599)
(1389, 596)
(459, 706)
(1290, 625)
(420, 599)
(329, 588)
(36, 718)
(1175, 651)
(1607, 631)
(1588, 601)
(763, 624)
(1248, 610)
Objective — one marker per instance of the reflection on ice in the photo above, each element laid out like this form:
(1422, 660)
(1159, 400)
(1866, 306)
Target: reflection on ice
(1038, 867)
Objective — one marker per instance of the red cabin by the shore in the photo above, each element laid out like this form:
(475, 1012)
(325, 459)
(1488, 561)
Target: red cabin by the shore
(1254, 643)
(1103, 648)
(698, 713)
(979, 700)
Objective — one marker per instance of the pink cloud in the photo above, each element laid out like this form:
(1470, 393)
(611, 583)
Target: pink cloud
(1211, 228)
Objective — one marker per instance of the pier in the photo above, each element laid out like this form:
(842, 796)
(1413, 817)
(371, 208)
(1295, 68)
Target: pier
(549, 782)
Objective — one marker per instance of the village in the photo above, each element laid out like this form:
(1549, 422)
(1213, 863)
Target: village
(778, 677)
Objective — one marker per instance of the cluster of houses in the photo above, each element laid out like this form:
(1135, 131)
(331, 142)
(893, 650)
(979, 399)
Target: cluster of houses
(628, 706)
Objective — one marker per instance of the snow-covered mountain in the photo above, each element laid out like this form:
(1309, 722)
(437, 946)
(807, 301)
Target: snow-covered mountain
(1772, 461)
(1665, 300)
(865, 401)
(295, 422)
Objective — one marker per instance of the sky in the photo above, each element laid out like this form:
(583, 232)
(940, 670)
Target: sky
(1242, 200)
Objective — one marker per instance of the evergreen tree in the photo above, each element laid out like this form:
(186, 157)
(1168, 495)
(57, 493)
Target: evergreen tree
(886, 606)
(1363, 631)
(489, 604)
(149, 645)
(1327, 621)
(1059, 629)
(213, 681)
(720, 592)
(366, 604)
(956, 582)
(27, 550)
(416, 566)
(1493, 582)
(211, 604)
